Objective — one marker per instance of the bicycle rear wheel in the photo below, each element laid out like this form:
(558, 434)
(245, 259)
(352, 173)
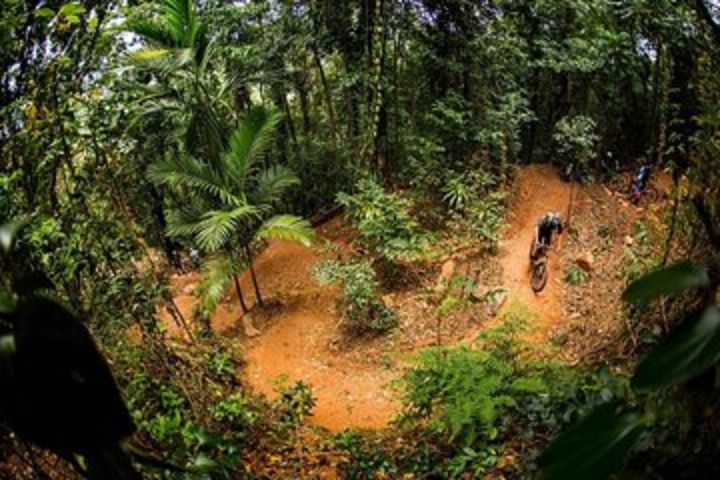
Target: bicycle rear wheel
(539, 276)
(651, 195)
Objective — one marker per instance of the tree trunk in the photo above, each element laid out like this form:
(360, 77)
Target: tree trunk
(238, 290)
(289, 120)
(248, 253)
(326, 89)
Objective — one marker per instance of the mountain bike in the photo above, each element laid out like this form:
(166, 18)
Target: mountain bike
(625, 185)
(538, 266)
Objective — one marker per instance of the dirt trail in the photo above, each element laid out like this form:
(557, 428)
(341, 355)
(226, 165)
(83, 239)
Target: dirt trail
(538, 190)
(300, 328)
(298, 346)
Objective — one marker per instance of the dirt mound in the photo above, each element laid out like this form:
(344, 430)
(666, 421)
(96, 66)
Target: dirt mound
(299, 346)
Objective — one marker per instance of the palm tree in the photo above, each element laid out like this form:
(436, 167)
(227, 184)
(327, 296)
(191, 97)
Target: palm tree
(190, 90)
(230, 206)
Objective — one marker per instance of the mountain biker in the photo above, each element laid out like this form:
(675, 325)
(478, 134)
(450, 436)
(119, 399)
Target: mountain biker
(642, 178)
(546, 226)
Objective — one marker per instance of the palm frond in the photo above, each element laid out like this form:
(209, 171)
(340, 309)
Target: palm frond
(217, 270)
(249, 140)
(287, 227)
(181, 18)
(272, 183)
(177, 29)
(184, 222)
(217, 226)
(153, 32)
(187, 171)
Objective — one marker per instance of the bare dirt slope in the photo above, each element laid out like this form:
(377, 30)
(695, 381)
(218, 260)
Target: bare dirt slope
(299, 346)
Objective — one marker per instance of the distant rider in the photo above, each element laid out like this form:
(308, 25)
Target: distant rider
(642, 179)
(547, 225)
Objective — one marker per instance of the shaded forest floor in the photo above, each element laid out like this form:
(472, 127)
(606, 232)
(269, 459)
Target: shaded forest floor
(297, 335)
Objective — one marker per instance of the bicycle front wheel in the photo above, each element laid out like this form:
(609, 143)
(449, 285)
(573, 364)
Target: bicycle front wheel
(539, 277)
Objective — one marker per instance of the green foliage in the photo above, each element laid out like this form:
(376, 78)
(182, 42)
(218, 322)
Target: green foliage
(295, 404)
(666, 281)
(469, 394)
(685, 355)
(576, 275)
(476, 462)
(363, 309)
(364, 462)
(384, 221)
(235, 412)
(232, 202)
(616, 430)
(476, 199)
(581, 454)
(576, 139)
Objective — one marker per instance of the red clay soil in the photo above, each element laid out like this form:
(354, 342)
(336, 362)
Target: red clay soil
(298, 346)
(298, 328)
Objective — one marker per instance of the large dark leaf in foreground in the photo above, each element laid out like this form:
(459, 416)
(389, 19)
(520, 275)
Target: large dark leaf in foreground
(62, 394)
(686, 354)
(666, 281)
(593, 448)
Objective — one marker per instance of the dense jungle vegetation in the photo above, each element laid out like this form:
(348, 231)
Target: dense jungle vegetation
(288, 239)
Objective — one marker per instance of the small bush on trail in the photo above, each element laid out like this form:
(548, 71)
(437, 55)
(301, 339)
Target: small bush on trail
(384, 222)
(576, 275)
(365, 462)
(295, 404)
(363, 309)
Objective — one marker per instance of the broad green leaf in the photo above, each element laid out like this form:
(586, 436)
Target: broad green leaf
(685, 355)
(595, 447)
(45, 12)
(73, 9)
(8, 234)
(150, 54)
(72, 19)
(666, 281)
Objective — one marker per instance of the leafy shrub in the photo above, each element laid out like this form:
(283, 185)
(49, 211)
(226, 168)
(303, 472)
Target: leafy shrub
(576, 138)
(363, 309)
(384, 221)
(576, 275)
(470, 394)
(295, 404)
(477, 462)
(222, 364)
(365, 462)
(474, 197)
(235, 411)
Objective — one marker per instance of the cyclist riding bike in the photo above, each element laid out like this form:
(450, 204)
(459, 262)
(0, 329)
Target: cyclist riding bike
(641, 180)
(546, 227)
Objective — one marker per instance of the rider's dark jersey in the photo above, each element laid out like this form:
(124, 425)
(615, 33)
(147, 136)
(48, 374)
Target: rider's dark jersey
(547, 226)
(642, 177)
